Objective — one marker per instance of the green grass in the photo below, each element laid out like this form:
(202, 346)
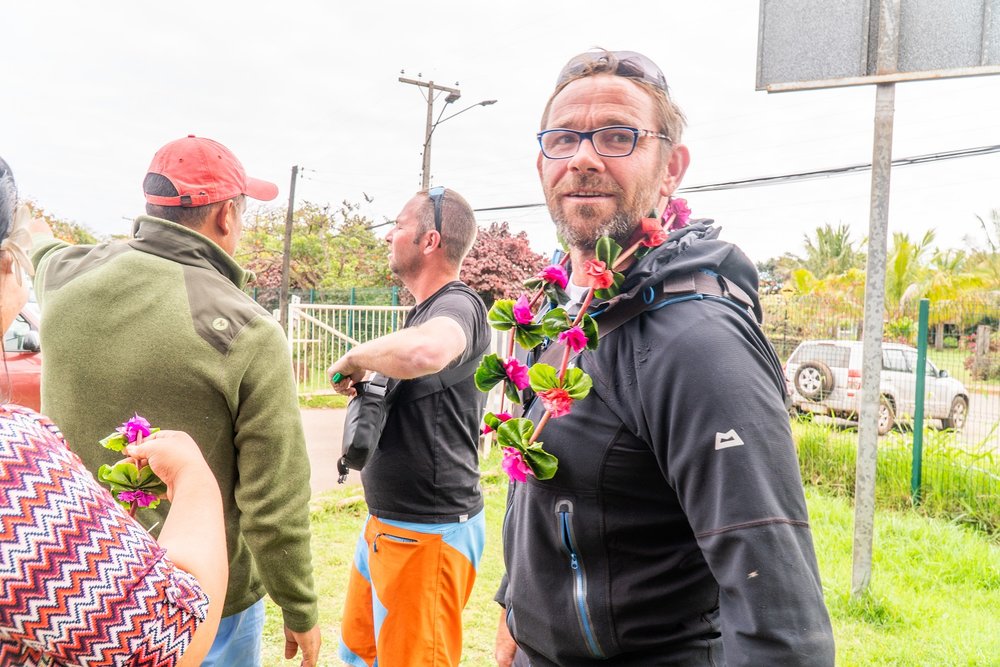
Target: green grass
(958, 485)
(934, 598)
(322, 401)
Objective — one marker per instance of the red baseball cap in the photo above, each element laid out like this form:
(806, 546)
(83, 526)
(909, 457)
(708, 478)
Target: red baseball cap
(204, 172)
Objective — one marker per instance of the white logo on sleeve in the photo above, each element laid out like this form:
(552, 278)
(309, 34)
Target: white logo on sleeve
(727, 439)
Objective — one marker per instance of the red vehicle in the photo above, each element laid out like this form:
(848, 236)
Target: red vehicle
(20, 382)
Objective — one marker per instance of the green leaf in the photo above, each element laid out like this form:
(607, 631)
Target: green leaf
(555, 293)
(543, 464)
(515, 433)
(613, 290)
(528, 336)
(123, 474)
(489, 373)
(607, 251)
(576, 383)
(511, 392)
(589, 326)
(542, 377)
(555, 321)
(534, 283)
(115, 442)
(501, 315)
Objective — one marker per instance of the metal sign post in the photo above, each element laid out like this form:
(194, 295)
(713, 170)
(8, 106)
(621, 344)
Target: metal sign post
(809, 44)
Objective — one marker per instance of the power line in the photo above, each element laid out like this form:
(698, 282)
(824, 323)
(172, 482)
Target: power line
(805, 175)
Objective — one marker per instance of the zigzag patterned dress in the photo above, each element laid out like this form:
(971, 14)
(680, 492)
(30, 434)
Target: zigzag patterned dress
(81, 583)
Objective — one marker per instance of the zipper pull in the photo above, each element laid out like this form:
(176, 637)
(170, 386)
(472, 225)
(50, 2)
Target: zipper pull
(573, 563)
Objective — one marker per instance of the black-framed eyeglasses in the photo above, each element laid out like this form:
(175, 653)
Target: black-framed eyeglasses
(437, 194)
(626, 63)
(611, 141)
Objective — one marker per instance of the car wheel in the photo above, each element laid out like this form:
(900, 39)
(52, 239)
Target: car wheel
(814, 380)
(957, 415)
(886, 416)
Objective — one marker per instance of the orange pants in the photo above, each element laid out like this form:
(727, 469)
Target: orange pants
(407, 588)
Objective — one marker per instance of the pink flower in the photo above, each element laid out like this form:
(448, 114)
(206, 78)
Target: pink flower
(573, 338)
(515, 466)
(652, 233)
(600, 276)
(134, 427)
(502, 416)
(679, 208)
(557, 401)
(139, 497)
(522, 311)
(554, 274)
(517, 372)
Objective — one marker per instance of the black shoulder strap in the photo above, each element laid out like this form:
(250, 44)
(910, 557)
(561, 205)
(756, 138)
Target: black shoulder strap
(680, 287)
(411, 390)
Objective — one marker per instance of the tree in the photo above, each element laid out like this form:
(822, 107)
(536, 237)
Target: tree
(330, 249)
(905, 271)
(831, 252)
(499, 263)
(64, 230)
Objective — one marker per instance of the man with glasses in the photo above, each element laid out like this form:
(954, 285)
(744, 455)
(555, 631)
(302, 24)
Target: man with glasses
(159, 325)
(416, 558)
(675, 531)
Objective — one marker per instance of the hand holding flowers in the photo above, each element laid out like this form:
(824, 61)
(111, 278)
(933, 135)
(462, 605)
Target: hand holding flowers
(133, 486)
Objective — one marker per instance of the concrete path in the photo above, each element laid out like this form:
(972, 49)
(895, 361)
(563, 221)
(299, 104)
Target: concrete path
(324, 430)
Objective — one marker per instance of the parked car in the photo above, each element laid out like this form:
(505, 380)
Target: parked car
(824, 377)
(23, 360)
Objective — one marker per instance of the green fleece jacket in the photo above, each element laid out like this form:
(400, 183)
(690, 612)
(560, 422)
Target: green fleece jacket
(159, 325)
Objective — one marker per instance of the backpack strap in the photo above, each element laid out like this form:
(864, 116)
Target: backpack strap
(411, 390)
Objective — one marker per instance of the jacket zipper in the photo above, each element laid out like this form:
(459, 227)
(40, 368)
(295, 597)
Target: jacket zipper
(564, 508)
(397, 538)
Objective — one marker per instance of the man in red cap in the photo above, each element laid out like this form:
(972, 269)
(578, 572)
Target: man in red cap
(159, 325)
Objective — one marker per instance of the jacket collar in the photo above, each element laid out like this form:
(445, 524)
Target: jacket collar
(180, 244)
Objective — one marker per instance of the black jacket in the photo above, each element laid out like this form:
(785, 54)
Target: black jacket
(675, 531)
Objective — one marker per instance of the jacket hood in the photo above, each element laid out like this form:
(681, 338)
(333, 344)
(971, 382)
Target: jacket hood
(694, 247)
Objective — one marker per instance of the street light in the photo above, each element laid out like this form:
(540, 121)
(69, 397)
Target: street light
(426, 176)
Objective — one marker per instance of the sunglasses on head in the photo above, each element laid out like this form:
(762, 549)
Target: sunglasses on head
(629, 64)
(437, 194)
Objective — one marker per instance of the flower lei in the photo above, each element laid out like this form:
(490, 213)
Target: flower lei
(131, 486)
(523, 453)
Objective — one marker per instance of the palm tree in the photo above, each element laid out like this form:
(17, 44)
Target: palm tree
(831, 252)
(905, 270)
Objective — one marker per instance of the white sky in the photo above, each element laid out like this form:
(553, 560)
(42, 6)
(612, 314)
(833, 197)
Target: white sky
(91, 90)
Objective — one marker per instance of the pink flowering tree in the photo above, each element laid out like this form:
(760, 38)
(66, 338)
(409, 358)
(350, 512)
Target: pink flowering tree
(557, 388)
(133, 487)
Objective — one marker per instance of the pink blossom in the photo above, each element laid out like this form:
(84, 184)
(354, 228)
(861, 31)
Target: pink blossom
(573, 338)
(501, 416)
(557, 401)
(516, 372)
(134, 427)
(677, 207)
(600, 276)
(522, 311)
(139, 497)
(515, 466)
(555, 274)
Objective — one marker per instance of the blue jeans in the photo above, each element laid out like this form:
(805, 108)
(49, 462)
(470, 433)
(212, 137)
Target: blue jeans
(238, 640)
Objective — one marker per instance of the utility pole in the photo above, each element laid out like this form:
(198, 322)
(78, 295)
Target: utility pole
(453, 95)
(287, 257)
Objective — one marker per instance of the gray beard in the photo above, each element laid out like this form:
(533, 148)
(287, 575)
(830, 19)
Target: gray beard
(619, 227)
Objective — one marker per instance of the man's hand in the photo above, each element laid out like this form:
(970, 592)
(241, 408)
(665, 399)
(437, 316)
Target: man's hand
(505, 645)
(309, 641)
(344, 375)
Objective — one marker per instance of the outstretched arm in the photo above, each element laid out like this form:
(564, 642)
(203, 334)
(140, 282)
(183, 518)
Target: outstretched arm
(409, 353)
